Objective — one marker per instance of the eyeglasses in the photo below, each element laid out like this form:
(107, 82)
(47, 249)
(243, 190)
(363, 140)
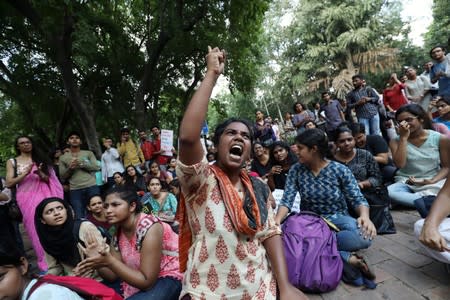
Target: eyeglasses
(408, 119)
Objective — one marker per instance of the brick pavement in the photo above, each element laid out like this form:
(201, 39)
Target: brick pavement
(403, 272)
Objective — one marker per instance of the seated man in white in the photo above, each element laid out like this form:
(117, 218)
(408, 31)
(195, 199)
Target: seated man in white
(434, 231)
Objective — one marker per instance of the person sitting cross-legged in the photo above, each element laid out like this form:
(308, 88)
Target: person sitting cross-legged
(326, 188)
(420, 153)
(144, 252)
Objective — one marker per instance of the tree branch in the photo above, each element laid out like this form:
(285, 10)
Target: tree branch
(27, 10)
(201, 12)
(5, 69)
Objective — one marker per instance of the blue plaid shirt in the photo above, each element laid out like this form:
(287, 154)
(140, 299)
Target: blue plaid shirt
(327, 194)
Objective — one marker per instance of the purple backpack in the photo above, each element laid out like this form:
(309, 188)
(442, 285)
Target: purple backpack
(312, 258)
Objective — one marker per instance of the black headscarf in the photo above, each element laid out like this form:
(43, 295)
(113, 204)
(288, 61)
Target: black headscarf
(58, 241)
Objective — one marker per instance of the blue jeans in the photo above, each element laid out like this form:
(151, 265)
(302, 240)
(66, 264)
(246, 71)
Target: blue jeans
(165, 288)
(400, 193)
(349, 238)
(371, 125)
(79, 199)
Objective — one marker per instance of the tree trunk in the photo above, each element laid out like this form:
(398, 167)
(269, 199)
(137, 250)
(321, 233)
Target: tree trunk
(148, 78)
(349, 65)
(78, 104)
(63, 46)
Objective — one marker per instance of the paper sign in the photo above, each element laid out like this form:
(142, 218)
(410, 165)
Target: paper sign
(278, 195)
(166, 142)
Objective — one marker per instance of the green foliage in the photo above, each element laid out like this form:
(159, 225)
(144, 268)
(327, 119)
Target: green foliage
(132, 63)
(439, 30)
(329, 41)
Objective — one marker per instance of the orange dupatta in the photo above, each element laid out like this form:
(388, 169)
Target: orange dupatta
(234, 206)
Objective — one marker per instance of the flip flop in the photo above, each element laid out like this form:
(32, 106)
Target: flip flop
(364, 267)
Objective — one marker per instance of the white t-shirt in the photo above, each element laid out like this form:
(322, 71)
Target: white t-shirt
(50, 291)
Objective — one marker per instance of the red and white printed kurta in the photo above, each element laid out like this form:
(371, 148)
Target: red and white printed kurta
(222, 264)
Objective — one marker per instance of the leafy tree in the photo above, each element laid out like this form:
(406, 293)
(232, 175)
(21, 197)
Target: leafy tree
(439, 30)
(329, 41)
(101, 65)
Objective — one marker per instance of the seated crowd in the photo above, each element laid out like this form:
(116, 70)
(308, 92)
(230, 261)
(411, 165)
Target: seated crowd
(199, 224)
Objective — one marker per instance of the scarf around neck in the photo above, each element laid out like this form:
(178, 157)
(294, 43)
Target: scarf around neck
(247, 215)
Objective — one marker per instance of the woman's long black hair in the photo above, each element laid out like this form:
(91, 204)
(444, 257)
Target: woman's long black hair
(315, 137)
(418, 111)
(35, 156)
(221, 128)
(127, 194)
(291, 157)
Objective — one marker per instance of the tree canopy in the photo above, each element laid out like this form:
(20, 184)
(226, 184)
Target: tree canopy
(439, 31)
(97, 66)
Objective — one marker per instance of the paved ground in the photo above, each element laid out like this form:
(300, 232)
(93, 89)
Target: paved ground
(403, 272)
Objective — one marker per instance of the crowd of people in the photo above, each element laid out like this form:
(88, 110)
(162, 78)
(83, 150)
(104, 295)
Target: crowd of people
(202, 223)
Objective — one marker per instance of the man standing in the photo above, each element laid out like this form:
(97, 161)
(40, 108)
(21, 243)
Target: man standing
(146, 148)
(334, 114)
(440, 72)
(129, 151)
(79, 167)
(426, 73)
(110, 162)
(157, 152)
(417, 88)
(365, 102)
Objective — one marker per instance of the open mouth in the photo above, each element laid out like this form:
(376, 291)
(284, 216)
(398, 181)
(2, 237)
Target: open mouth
(236, 150)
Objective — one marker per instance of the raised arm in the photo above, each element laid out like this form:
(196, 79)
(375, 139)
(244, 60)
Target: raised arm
(399, 148)
(190, 148)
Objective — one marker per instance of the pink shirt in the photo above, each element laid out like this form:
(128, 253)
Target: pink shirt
(130, 250)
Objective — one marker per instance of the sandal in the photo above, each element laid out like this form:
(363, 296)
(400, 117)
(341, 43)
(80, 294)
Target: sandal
(362, 265)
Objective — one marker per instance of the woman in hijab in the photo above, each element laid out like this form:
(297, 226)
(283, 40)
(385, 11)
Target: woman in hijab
(60, 236)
